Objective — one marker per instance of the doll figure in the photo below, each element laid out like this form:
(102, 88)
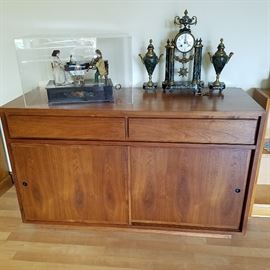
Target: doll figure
(99, 64)
(58, 69)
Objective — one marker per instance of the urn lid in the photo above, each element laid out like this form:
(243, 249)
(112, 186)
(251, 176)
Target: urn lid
(221, 45)
(150, 46)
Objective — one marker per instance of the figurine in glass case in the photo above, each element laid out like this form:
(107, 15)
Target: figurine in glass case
(58, 68)
(72, 83)
(100, 65)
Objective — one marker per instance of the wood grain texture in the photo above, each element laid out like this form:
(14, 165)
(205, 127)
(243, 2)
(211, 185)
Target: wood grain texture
(133, 101)
(262, 97)
(5, 184)
(3, 161)
(36, 247)
(261, 210)
(5, 178)
(194, 131)
(23, 126)
(193, 187)
(72, 183)
(262, 194)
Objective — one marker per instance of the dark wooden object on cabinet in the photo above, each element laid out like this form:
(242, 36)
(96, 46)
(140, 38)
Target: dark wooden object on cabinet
(5, 177)
(160, 162)
(262, 192)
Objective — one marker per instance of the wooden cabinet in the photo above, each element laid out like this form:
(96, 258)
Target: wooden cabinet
(163, 162)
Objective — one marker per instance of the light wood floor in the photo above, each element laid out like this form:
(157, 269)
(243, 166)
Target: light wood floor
(40, 247)
(261, 210)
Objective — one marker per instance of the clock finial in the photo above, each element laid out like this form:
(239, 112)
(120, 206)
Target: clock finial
(185, 21)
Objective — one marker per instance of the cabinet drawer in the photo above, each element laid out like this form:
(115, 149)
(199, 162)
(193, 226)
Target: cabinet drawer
(193, 130)
(55, 127)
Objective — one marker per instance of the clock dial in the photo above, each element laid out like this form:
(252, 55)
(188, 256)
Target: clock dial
(184, 42)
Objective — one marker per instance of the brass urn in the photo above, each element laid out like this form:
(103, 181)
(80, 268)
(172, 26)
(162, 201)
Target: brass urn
(219, 60)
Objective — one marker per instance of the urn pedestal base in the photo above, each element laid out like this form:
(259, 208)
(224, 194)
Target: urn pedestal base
(148, 87)
(213, 86)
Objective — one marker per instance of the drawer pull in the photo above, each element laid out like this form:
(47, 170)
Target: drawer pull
(237, 190)
(25, 184)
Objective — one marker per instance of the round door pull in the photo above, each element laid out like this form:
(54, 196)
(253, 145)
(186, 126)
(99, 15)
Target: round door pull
(237, 190)
(25, 184)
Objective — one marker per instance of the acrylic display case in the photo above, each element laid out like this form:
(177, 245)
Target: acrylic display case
(77, 69)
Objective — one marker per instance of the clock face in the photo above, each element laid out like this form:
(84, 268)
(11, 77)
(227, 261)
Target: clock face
(184, 42)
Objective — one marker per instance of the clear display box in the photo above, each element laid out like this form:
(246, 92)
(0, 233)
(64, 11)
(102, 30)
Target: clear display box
(67, 70)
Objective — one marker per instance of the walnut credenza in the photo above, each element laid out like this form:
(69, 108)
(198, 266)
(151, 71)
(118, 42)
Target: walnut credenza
(162, 162)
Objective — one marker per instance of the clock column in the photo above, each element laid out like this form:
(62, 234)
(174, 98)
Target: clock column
(169, 71)
(196, 81)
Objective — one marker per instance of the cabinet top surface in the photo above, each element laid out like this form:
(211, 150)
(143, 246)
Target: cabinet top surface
(235, 103)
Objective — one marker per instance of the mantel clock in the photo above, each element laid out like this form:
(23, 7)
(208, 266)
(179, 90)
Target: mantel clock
(183, 56)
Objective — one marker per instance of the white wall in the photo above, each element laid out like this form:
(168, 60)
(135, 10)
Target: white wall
(244, 25)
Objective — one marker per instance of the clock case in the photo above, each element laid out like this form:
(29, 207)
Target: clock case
(195, 83)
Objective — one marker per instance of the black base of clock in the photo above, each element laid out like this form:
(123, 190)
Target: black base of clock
(187, 85)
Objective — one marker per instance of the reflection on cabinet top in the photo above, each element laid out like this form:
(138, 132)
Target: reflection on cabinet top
(235, 103)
